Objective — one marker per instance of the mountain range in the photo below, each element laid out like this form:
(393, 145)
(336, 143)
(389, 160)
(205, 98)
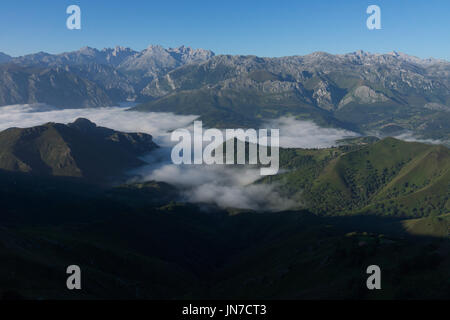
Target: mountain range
(380, 94)
(4, 57)
(370, 93)
(110, 75)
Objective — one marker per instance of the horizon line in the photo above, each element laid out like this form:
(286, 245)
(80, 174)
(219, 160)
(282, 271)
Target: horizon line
(392, 52)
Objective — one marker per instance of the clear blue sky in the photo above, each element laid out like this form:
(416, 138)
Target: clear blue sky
(264, 28)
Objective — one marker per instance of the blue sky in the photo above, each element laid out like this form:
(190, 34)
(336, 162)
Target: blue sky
(263, 28)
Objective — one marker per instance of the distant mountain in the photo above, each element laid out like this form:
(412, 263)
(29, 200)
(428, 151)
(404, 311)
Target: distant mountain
(80, 149)
(4, 57)
(152, 60)
(121, 73)
(57, 87)
(119, 87)
(85, 55)
(366, 90)
(155, 60)
(377, 94)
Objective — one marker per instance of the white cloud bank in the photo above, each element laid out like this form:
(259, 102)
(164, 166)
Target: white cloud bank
(410, 137)
(224, 186)
(293, 133)
(117, 118)
(306, 134)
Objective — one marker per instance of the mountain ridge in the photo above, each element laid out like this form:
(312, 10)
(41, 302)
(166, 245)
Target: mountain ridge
(120, 73)
(360, 91)
(366, 90)
(79, 149)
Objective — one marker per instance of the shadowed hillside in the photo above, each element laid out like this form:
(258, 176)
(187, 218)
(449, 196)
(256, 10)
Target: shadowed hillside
(140, 241)
(80, 149)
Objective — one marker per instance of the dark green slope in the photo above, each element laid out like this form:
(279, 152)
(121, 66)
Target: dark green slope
(136, 241)
(80, 149)
(134, 250)
(323, 262)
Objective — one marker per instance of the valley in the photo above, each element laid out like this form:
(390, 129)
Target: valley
(143, 240)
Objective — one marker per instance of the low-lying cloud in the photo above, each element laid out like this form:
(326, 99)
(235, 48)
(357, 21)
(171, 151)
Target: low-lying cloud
(410, 137)
(225, 186)
(117, 118)
(293, 133)
(234, 186)
(306, 134)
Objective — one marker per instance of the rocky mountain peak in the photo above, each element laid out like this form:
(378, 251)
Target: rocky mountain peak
(4, 57)
(88, 51)
(83, 124)
(154, 48)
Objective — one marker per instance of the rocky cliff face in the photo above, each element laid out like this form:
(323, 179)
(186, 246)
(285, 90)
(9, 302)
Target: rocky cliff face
(57, 87)
(366, 78)
(4, 57)
(119, 73)
(155, 60)
(330, 89)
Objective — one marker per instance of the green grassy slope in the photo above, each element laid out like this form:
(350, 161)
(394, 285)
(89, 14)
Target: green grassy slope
(388, 177)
